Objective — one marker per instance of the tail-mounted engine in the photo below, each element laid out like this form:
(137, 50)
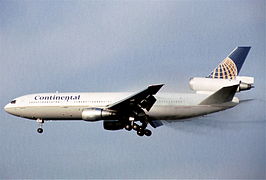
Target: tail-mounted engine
(202, 85)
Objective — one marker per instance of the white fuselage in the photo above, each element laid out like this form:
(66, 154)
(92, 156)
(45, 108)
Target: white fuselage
(69, 106)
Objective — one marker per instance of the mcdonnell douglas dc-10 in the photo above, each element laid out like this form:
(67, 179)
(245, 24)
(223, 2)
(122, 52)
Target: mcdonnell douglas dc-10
(214, 93)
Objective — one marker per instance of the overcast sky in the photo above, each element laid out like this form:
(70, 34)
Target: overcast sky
(48, 46)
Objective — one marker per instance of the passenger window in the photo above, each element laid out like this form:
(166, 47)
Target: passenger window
(13, 102)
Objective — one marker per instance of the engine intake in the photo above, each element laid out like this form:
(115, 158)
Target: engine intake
(96, 114)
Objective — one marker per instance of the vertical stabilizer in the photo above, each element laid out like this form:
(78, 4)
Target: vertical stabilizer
(230, 67)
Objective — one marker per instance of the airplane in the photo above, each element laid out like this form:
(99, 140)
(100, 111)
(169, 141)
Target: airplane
(213, 93)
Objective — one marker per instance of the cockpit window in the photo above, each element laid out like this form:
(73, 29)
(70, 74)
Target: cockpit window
(13, 102)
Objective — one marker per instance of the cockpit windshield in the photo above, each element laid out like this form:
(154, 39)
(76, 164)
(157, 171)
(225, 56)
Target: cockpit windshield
(13, 102)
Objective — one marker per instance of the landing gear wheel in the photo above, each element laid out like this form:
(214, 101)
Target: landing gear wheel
(128, 127)
(40, 130)
(140, 133)
(147, 132)
(135, 127)
(141, 128)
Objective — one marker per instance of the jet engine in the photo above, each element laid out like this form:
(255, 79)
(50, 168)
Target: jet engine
(96, 114)
(113, 125)
(202, 85)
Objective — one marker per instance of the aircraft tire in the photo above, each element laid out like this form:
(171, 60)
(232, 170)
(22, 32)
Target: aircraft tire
(140, 133)
(135, 127)
(141, 128)
(128, 127)
(147, 132)
(40, 130)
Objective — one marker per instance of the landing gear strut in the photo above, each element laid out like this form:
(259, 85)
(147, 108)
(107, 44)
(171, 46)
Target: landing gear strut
(130, 124)
(40, 129)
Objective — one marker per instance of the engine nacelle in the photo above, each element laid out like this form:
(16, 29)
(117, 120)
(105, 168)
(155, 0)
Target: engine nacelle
(245, 79)
(113, 125)
(96, 114)
(202, 85)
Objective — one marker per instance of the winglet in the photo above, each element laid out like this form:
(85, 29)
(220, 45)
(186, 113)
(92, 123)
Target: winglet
(225, 94)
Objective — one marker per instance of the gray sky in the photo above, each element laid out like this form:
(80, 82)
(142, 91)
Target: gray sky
(47, 46)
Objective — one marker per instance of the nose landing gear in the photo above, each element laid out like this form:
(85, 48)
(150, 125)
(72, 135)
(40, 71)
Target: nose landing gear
(40, 129)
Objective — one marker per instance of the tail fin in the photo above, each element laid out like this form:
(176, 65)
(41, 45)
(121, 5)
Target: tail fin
(225, 94)
(230, 67)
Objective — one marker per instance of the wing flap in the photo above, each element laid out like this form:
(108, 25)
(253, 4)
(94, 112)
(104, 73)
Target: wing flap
(156, 123)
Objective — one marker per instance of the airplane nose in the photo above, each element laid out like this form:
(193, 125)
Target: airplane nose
(7, 108)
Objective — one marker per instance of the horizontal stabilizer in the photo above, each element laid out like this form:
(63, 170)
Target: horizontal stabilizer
(225, 94)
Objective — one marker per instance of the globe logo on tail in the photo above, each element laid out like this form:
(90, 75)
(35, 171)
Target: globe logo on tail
(227, 69)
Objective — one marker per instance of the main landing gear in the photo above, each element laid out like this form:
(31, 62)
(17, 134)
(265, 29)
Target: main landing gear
(40, 129)
(141, 129)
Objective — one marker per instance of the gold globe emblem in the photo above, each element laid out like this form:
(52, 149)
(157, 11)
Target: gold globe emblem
(226, 70)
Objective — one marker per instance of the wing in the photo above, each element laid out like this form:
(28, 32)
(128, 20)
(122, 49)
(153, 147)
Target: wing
(143, 99)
